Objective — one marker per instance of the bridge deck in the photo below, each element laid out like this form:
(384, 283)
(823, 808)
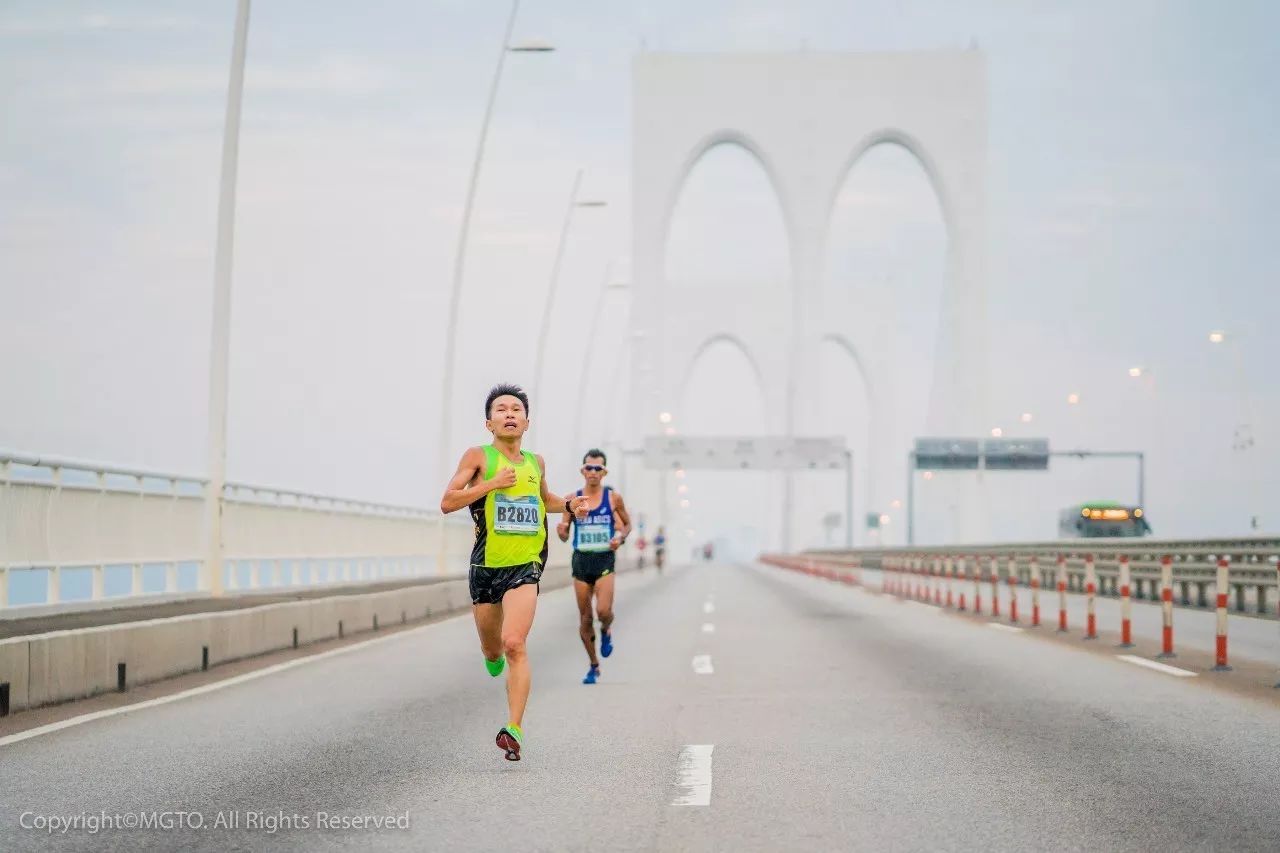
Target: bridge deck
(820, 717)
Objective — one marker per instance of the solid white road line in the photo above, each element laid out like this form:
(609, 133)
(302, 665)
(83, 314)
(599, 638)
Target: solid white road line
(1010, 628)
(708, 628)
(702, 665)
(693, 776)
(1157, 666)
(209, 688)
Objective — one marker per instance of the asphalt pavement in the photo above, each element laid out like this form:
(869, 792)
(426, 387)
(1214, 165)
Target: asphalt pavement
(744, 708)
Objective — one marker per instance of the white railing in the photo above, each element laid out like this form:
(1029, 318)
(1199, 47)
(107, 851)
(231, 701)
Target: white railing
(74, 530)
(1253, 565)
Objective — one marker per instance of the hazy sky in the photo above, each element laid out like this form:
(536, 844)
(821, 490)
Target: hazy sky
(1132, 167)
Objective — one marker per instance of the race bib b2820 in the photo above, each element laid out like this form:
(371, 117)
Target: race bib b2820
(519, 515)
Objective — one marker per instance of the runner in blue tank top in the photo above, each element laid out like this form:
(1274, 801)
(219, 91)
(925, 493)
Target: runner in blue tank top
(595, 539)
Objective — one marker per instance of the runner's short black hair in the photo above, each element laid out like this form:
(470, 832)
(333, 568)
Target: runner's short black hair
(505, 390)
(595, 451)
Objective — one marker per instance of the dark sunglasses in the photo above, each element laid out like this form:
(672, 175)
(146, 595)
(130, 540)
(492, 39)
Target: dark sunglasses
(592, 467)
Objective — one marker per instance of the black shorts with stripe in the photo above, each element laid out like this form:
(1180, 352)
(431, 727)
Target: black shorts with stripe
(590, 566)
(488, 585)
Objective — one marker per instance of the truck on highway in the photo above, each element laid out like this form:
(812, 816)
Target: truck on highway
(1102, 519)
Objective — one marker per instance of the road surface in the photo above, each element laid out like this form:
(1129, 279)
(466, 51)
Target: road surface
(807, 716)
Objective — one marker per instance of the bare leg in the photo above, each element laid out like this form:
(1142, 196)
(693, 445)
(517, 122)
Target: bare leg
(518, 606)
(604, 601)
(586, 621)
(489, 627)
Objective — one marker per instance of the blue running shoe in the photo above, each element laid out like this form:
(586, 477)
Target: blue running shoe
(592, 675)
(606, 643)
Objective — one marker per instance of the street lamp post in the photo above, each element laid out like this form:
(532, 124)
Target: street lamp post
(220, 336)
(460, 254)
(911, 497)
(848, 498)
(610, 407)
(544, 328)
(605, 285)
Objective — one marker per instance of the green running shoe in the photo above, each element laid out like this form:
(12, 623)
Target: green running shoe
(509, 740)
(496, 667)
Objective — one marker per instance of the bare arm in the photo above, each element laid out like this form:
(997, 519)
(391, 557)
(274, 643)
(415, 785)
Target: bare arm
(562, 529)
(577, 504)
(624, 520)
(466, 485)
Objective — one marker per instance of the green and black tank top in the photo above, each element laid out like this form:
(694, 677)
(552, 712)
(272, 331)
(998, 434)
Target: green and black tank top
(511, 524)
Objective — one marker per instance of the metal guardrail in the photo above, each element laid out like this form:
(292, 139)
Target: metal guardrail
(1253, 564)
(66, 518)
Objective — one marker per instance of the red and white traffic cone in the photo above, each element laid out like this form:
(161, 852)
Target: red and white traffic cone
(1126, 606)
(949, 569)
(1166, 606)
(1062, 593)
(1091, 599)
(961, 578)
(937, 581)
(1013, 590)
(995, 587)
(977, 585)
(1222, 587)
(1035, 593)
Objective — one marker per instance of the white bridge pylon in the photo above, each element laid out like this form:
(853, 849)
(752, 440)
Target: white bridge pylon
(807, 118)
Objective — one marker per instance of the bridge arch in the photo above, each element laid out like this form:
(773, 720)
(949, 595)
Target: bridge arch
(717, 140)
(714, 340)
(808, 119)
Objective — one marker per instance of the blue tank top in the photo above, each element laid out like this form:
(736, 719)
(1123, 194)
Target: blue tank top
(595, 531)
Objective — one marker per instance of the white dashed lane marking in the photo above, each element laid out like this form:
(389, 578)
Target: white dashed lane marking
(702, 665)
(1157, 666)
(693, 776)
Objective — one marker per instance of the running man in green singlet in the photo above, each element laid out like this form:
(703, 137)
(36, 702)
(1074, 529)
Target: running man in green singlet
(505, 488)
(595, 539)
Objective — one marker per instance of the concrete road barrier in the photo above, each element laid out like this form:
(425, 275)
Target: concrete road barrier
(59, 666)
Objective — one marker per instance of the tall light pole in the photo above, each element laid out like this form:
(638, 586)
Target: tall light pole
(460, 254)
(610, 406)
(544, 329)
(605, 285)
(220, 335)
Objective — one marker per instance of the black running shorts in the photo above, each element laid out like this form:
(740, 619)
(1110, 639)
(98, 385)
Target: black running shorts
(590, 566)
(489, 585)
